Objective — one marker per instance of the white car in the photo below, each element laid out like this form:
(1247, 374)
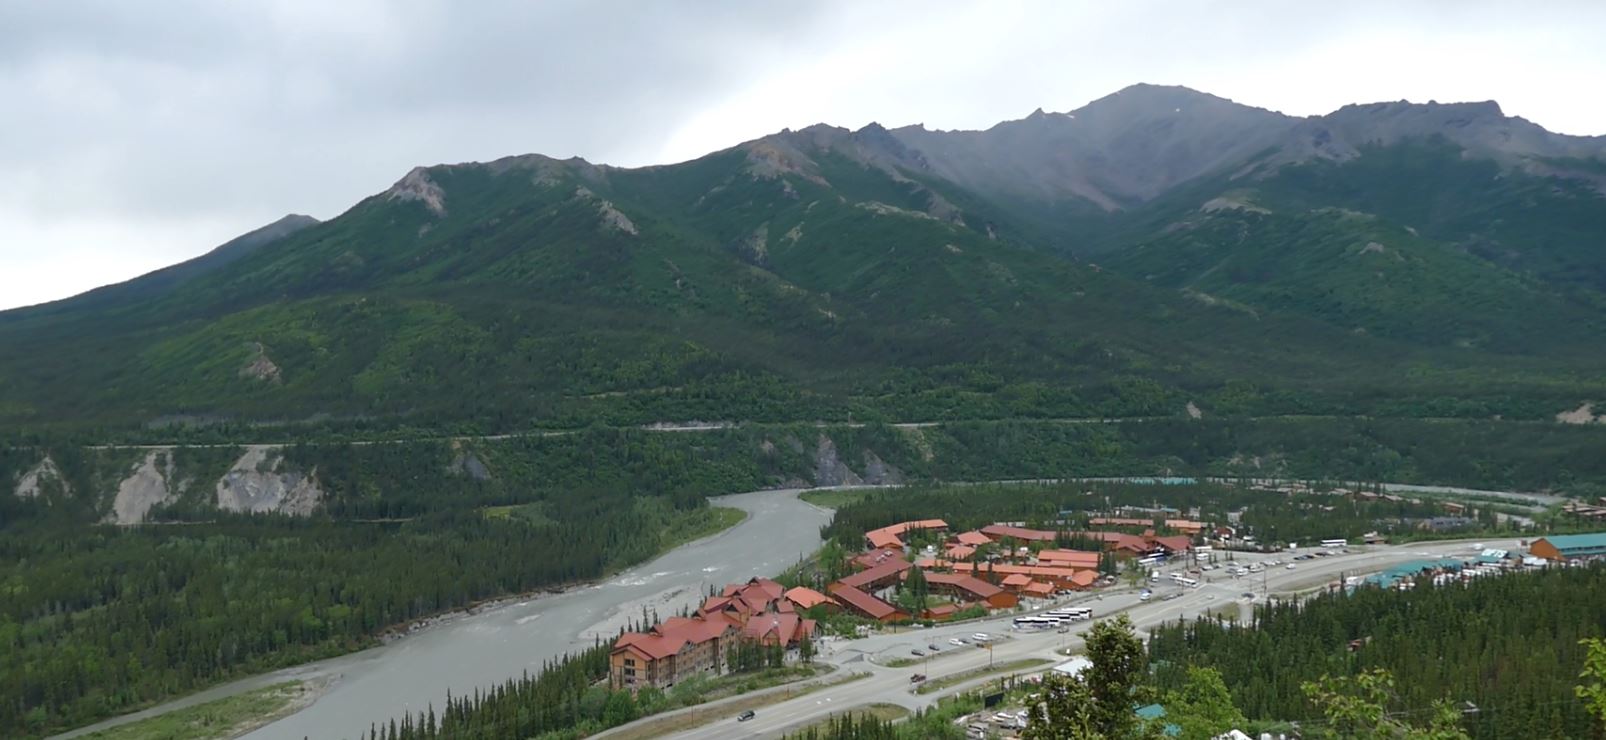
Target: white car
(1289, 566)
(955, 641)
(980, 637)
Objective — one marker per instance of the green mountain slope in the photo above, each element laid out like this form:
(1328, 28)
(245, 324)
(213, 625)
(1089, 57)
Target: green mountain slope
(1357, 270)
(829, 274)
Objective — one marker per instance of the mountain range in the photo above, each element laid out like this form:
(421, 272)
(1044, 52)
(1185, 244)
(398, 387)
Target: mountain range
(1159, 251)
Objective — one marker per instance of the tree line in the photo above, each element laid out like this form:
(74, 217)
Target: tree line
(1509, 645)
(102, 620)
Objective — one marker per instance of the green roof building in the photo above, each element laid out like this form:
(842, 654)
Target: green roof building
(1570, 546)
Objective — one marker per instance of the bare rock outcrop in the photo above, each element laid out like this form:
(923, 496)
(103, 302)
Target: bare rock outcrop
(469, 464)
(40, 478)
(259, 483)
(612, 217)
(1584, 414)
(883, 209)
(260, 367)
(144, 488)
(877, 472)
(829, 470)
(417, 185)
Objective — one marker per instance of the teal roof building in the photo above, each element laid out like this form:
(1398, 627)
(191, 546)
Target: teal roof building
(1570, 546)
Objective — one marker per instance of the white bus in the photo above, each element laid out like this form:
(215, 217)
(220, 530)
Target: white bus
(1074, 614)
(1035, 623)
(1334, 544)
(1189, 582)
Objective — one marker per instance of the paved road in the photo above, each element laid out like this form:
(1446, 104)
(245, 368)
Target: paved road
(892, 685)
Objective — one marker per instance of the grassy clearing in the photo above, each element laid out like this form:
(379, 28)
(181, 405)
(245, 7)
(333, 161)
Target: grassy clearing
(224, 718)
(699, 524)
(955, 679)
(694, 718)
(1225, 611)
(834, 498)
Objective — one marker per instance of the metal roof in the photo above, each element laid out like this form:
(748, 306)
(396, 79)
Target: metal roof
(1575, 542)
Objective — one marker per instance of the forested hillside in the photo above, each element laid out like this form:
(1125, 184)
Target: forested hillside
(1510, 645)
(71, 483)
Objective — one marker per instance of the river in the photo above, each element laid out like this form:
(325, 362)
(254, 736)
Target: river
(488, 648)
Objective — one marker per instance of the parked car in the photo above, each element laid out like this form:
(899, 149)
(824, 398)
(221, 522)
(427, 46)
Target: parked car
(745, 716)
(917, 653)
(980, 637)
(1249, 596)
(956, 640)
(1145, 596)
(1290, 566)
(917, 678)
(933, 647)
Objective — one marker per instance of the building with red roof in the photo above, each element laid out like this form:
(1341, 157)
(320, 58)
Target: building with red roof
(973, 538)
(891, 536)
(875, 557)
(960, 552)
(1185, 526)
(804, 598)
(682, 646)
(1120, 542)
(865, 605)
(778, 629)
(673, 650)
(1175, 544)
(1039, 590)
(970, 588)
(998, 532)
(879, 577)
(1069, 558)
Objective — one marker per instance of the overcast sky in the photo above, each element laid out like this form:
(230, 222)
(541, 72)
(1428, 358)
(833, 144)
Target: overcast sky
(138, 134)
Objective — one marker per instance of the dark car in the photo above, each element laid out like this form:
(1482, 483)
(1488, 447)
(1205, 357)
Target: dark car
(745, 716)
(917, 678)
(917, 653)
(933, 648)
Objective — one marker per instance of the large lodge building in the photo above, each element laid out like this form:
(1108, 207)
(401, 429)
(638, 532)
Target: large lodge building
(758, 611)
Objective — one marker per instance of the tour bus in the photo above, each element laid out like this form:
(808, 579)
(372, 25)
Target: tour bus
(1185, 581)
(1151, 560)
(1334, 544)
(1074, 614)
(1035, 623)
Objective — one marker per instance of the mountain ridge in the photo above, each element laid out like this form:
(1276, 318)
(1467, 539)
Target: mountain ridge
(824, 273)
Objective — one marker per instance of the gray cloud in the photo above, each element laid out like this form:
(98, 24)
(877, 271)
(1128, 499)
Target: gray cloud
(142, 133)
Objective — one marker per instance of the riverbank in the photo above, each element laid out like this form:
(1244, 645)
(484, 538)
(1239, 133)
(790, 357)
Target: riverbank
(224, 718)
(328, 672)
(678, 534)
(479, 651)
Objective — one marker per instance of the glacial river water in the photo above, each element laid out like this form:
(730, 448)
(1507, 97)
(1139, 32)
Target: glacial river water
(488, 648)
